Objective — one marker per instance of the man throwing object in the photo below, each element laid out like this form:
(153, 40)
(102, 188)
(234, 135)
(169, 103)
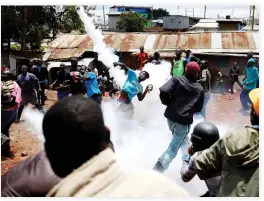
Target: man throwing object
(132, 88)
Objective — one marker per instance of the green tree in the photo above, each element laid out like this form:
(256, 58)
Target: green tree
(32, 24)
(131, 22)
(159, 13)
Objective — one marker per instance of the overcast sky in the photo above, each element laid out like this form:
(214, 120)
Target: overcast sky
(211, 11)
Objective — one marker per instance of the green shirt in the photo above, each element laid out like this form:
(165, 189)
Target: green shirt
(178, 68)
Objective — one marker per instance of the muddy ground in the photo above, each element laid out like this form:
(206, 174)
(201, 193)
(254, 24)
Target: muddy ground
(219, 109)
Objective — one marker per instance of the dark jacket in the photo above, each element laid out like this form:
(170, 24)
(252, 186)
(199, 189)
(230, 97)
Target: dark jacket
(33, 177)
(41, 74)
(234, 73)
(183, 97)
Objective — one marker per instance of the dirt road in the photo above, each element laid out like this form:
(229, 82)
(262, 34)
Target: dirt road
(219, 109)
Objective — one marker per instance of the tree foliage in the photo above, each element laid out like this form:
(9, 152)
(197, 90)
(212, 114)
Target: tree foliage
(32, 24)
(131, 22)
(159, 13)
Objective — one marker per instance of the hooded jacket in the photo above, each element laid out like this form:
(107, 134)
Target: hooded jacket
(252, 77)
(102, 176)
(235, 158)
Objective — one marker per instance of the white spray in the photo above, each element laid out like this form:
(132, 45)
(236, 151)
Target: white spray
(138, 142)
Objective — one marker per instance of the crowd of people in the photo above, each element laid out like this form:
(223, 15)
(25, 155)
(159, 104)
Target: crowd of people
(229, 165)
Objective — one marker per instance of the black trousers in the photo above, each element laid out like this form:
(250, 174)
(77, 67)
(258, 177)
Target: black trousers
(41, 95)
(232, 85)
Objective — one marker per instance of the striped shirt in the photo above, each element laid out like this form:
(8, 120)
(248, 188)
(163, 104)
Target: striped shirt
(188, 172)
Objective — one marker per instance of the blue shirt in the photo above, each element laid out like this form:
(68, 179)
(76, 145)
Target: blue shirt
(252, 78)
(132, 86)
(27, 83)
(187, 59)
(92, 85)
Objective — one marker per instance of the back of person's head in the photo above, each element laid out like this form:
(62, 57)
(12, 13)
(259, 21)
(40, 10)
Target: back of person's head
(254, 114)
(204, 135)
(74, 131)
(192, 69)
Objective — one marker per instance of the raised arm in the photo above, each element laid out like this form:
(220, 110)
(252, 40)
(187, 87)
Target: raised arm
(122, 65)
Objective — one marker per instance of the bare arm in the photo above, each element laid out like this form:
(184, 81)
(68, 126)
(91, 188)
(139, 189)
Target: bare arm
(141, 96)
(204, 77)
(122, 65)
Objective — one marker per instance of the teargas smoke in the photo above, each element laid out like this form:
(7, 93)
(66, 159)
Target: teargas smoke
(139, 141)
(34, 119)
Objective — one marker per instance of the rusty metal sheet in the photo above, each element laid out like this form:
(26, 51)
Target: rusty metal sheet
(109, 39)
(160, 40)
(87, 44)
(66, 53)
(67, 42)
(127, 42)
(183, 41)
(55, 43)
(118, 41)
(251, 41)
(139, 40)
(238, 40)
(77, 41)
(67, 46)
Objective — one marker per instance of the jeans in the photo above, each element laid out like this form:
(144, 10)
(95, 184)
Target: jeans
(244, 98)
(62, 93)
(97, 98)
(207, 97)
(180, 140)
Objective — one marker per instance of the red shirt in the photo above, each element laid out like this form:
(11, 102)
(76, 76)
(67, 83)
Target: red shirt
(142, 56)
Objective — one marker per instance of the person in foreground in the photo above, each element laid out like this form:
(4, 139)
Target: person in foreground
(183, 97)
(86, 159)
(33, 177)
(132, 88)
(235, 158)
(204, 135)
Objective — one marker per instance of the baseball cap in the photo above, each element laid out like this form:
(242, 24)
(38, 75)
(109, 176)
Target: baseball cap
(192, 68)
(254, 97)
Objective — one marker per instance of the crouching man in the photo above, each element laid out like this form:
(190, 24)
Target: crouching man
(204, 135)
(235, 157)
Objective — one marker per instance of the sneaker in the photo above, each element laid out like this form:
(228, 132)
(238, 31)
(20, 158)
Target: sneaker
(158, 167)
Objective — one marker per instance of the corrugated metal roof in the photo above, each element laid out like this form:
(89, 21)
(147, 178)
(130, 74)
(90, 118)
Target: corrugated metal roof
(67, 46)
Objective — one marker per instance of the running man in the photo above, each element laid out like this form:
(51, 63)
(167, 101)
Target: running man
(132, 88)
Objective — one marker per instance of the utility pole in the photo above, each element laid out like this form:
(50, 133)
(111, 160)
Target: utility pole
(249, 13)
(204, 11)
(253, 16)
(193, 12)
(104, 15)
